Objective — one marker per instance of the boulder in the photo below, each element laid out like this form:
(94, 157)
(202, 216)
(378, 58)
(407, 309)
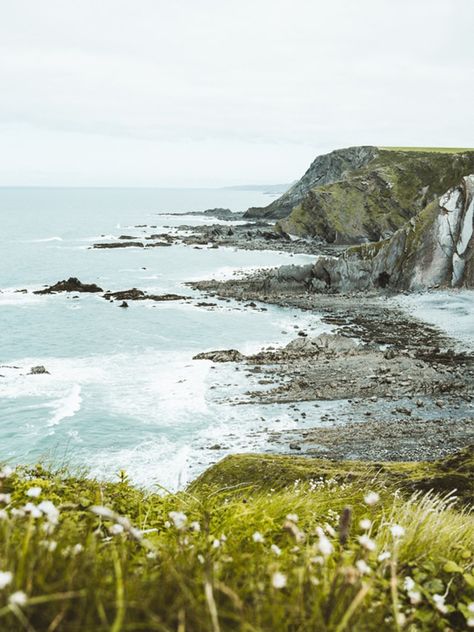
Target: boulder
(70, 285)
(224, 355)
(38, 370)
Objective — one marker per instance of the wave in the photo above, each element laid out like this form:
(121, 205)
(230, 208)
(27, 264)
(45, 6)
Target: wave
(67, 406)
(45, 239)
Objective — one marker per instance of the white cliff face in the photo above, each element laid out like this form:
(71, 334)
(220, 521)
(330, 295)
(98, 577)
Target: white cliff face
(465, 233)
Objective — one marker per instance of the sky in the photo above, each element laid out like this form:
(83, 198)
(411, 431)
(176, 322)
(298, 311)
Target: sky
(223, 92)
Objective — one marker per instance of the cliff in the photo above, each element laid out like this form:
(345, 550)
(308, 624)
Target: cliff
(435, 248)
(362, 194)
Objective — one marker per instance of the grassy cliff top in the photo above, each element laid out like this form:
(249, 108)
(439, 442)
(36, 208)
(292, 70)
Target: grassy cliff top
(438, 150)
(256, 544)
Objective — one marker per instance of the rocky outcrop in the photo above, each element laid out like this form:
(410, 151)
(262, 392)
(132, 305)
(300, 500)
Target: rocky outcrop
(223, 355)
(135, 294)
(325, 169)
(70, 285)
(433, 249)
(364, 194)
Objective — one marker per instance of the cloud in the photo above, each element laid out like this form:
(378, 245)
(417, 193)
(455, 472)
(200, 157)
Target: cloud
(224, 92)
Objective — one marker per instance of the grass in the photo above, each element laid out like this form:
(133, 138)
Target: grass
(437, 150)
(329, 547)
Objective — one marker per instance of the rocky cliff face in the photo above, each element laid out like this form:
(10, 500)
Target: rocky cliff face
(435, 248)
(362, 194)
(323, 170)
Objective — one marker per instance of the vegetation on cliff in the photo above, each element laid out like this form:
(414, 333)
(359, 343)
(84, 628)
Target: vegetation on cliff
(257, 543)
(371, 203)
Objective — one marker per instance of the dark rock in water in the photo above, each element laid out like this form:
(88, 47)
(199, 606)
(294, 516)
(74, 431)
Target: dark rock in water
(295, 446)
(159, 244)
(127, 237)
(123, 304)
(139, 295)
(120, 244)
(23, 291)
(38, 370)
(70, 285)
(216, 446)
(224, 355)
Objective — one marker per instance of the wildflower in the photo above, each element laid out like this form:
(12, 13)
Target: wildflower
(414, 596)
(278, 580)
(401, 618)
(470, 622)
(18, 598)
(200, 558)
(325, 545)
(17, 513)
(116, 529)
(195, 526)
(385, 555)
(397, 531)
(408, 583)
(257, 537)
(365, 524)
(103, 512)
(363, 567)
(470, 607)
(439, 603)
(5, 498)
(178, 518)
(77, 548)
(6, 471)
(50, 510)
(167, 524)
(216, 544)
(5, 578)
(3, 514)
(372, 498)
(367, 543)
(330, 530)
(292, 517)
(49, 545)
(275, 549)
(32, 510)
(33, 492)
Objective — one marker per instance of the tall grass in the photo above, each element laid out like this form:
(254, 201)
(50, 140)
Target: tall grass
(78, 555)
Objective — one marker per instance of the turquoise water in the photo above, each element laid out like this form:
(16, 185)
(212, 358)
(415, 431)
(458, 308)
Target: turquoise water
(123, 390)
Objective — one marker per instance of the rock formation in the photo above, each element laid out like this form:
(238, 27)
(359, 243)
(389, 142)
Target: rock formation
(70, 285)
(363, 194)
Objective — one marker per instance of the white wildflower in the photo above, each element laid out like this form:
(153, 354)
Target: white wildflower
(470, 607)
(5, 498)
(116, 529)
(325, 545)
(32, 510)
(363, 567)
(216, 544)
(77, 548)
(17, 513)
(401, 618)
(372, 498)
(330, 530)
(18, 598)
(33, 492)
(367, 543)
(278, 580)
(408, 583)
(275, 549)
(414, 596)
(365, 524)
(470, 622)
(178, 518)
(200, 558)
(385, 555)
(167, 524)
(257, 537)
(292, 517)
(439, 603)
(6, 471)
(397, 531)
(195, 526)
(3, 514)
(49, 545)
(223, 538)
(103, 512)
(5, 578)
(50, 511)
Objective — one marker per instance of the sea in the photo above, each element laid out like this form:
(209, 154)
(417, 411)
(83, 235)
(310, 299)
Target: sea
(123, 391)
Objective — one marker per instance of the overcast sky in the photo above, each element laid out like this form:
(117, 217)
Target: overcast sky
(214, 92)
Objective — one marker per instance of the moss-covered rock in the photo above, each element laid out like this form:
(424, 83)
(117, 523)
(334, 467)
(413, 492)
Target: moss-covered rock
(259, 472)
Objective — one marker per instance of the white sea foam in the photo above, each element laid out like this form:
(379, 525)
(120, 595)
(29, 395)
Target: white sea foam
(67, 406)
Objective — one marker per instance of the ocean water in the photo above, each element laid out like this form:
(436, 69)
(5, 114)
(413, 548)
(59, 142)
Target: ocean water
(123, 390)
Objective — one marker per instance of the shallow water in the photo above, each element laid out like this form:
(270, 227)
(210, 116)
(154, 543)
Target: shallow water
(123, 391)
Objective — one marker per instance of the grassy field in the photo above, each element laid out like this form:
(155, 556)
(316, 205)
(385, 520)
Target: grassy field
(327, 547)
(438, 150)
